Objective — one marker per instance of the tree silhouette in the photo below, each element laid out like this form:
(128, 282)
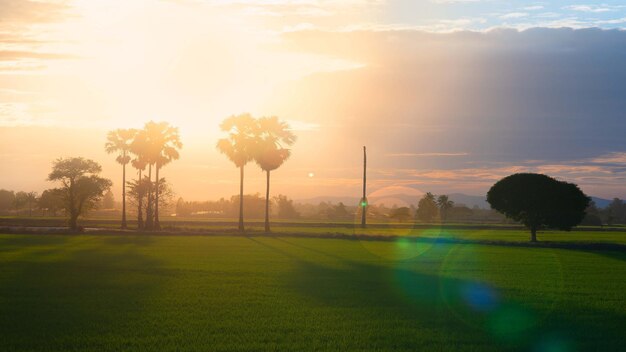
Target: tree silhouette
(137, 192)
(81, 188)
(616, 211)
(426, 208)
(401, 214)
(239, 147)
(445, 204)
(108, 201)
(142, 148)
(120, 141)
(25, 200)
(140, 165)
(19, 201)
(538, 200)
(273, 136)
(6, 199)
(592, 215)
(31, 199)
(286, 209)
(51, 201)
(163, 144)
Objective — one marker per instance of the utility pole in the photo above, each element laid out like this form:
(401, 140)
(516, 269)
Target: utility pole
(364, 199)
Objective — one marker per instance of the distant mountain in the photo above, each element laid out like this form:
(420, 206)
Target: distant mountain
(601, 202)
(400, 200)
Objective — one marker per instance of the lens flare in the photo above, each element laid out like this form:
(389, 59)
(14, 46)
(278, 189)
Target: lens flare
(392, 232)
(479, 296)
(485, 295)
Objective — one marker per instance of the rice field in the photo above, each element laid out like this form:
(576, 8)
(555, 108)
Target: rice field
(282, 292)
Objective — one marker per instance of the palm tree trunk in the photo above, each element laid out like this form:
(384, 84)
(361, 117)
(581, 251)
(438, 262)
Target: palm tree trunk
(241, 227)
(157, 226)
(533, 234)
(364, 199)
(267, 203)
(124, 195)
(140, 207)
(72, 207)
(149, 213)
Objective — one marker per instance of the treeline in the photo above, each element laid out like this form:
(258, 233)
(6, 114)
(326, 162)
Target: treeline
(612, 214)
(48, 203)
(264, 140)
(254, 207)
(429, 209)
(393, 213)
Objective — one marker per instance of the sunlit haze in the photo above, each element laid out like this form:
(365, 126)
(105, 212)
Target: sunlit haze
(448, 96)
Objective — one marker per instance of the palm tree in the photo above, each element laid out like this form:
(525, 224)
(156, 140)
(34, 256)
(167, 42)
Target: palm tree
(120, 141)
(141, 148)
(140, 165)
(445, 204)
(137, 190)
(31, 198)
(270, 158)
(273, 136)
(239, 147)
(164, 142)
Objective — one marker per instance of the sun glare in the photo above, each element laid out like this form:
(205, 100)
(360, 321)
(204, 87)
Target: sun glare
(312, 175)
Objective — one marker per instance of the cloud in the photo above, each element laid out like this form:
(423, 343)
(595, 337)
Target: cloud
(24, 26)
(26, 12)
(449, 110)
(615, 159)
(533, 8)
(514, 15)
(599, 176)
(592, 8)
(11, 55)
(502, 95)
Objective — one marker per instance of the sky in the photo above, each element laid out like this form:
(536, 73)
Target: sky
(448, 95)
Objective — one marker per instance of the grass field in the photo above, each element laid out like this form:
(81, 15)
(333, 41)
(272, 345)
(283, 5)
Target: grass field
(224, 293)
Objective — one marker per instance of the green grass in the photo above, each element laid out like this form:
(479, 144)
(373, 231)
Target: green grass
(202, 293)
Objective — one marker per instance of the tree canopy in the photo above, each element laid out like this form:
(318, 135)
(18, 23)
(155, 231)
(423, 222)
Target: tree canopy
(427, 209)
(538, 200)
(445, 204)
(240, 148)
(82, 188)
(401, 214)
(241, 142)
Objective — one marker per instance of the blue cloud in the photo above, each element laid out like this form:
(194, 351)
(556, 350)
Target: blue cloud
(554, 95)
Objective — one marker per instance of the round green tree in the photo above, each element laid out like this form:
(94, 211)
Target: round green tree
(538, 201)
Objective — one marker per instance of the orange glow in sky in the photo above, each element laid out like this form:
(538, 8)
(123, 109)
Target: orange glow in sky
(448, 96)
